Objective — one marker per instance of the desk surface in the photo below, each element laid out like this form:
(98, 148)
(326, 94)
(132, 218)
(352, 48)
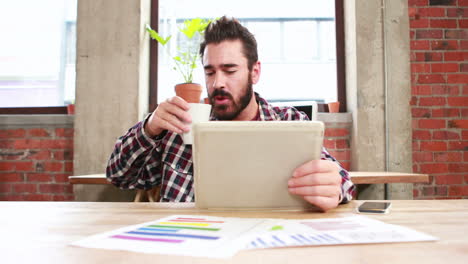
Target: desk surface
(358, 177)
(40, 231)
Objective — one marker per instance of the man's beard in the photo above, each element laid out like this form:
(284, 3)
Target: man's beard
(238, 106)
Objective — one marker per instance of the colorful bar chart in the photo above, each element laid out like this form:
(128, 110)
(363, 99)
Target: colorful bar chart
(174, 230)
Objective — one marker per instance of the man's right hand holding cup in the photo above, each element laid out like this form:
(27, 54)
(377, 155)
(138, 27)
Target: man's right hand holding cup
(170, 115)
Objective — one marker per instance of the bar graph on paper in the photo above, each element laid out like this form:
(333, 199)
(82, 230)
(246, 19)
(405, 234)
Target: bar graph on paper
(294, 239)
(332, 231)
(179, 234)
(176, 230)
(222, 237)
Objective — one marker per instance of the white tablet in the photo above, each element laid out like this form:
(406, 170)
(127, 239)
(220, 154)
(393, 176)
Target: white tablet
(247, 164)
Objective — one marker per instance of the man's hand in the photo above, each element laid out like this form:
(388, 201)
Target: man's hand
(318, 182)
(169, 115)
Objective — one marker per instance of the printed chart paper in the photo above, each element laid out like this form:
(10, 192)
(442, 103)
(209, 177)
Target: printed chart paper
(204, 236)
(331, 231)
(222, 237)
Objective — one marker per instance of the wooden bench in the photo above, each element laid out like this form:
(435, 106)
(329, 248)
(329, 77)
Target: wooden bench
(152, 195)
(358, 177)
(374, 177)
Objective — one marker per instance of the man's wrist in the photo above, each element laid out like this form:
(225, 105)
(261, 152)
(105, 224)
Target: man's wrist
(147, 129)
(150, 132)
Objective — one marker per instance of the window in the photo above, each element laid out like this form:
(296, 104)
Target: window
(37, 67)
(37, 53)
(296, 42)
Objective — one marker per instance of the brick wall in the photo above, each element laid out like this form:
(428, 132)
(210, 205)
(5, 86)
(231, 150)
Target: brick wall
(439, 71)
(35, 164)
(337, 142)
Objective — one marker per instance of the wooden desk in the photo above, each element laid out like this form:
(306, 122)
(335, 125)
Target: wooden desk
(358, 177)
(40, 231)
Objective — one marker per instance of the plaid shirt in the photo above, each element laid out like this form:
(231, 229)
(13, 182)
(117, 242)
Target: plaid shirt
(142, 162)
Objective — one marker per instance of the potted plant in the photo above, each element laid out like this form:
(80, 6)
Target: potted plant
(186, 57)
(334, 107)
(71, 107)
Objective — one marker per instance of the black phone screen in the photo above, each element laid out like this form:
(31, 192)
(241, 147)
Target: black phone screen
(374, 207)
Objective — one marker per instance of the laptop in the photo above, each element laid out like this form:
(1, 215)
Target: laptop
(247, 164)
(310, 108)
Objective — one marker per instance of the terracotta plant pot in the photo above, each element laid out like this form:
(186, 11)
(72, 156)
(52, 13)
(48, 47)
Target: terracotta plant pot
(71, 109)
(334, 107)
(190, 92)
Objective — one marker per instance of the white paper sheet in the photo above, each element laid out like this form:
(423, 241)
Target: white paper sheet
(222, 237)
(331, 231)
(203, 236)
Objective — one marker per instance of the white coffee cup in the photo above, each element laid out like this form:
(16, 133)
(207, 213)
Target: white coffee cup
(199, 113)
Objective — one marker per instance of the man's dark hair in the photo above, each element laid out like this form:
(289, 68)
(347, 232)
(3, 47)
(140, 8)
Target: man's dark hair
(226, 28)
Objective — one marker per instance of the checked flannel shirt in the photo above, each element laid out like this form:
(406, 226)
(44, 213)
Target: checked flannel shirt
(141, 162)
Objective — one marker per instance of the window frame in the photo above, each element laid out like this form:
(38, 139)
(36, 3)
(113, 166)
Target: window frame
(153, 69)
(322, 107)
(340, 55)
(47, 110)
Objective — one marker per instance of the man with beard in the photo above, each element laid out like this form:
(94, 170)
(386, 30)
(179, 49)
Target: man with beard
(152, 152)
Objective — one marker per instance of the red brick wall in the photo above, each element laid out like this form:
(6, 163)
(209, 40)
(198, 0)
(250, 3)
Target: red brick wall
(35, 164)
(337, 138)
(439, 79)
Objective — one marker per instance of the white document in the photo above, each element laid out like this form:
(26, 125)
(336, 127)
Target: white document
(201, 236)
(331, 231)
(223, 237)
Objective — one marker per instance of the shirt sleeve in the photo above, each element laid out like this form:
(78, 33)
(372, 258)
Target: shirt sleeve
(348, 188)
(135, 162)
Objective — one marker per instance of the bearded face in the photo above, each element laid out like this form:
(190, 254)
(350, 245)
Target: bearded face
(230, 80)
(227, 106)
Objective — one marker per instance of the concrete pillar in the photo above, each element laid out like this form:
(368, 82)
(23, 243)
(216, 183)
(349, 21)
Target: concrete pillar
(398, 82)
(112, 80)
(377, 78)
(365, 93)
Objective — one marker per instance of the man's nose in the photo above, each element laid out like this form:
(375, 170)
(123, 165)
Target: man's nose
(219, 81)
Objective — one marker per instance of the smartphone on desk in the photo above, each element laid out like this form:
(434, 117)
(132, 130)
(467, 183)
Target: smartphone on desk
(374, 207)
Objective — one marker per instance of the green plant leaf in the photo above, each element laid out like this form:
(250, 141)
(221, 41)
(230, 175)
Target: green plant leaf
(193, 26)
(203, 25)
(154, 35)
(185, 56)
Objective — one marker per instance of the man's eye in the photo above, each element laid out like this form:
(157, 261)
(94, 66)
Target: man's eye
(230, 72)
(209, 73)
